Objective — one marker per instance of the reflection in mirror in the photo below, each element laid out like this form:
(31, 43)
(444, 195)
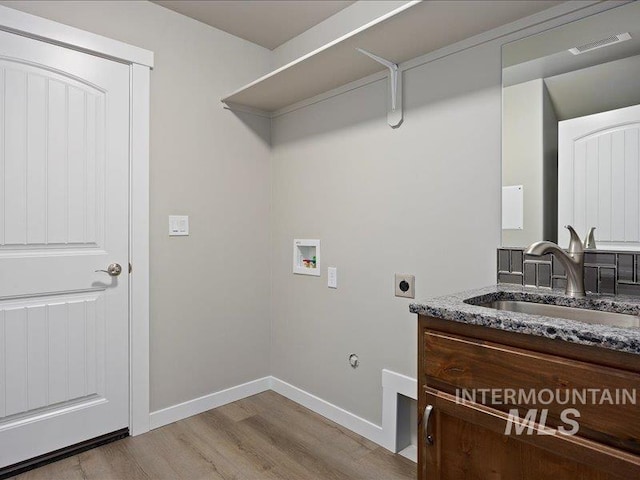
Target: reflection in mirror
(571, 132)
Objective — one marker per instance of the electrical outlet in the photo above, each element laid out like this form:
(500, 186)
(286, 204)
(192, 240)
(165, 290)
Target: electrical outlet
(405, 285)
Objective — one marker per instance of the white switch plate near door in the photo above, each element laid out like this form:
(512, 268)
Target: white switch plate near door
(178, 225)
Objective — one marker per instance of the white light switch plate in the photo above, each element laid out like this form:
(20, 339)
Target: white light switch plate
(178, 225)
(332, 277)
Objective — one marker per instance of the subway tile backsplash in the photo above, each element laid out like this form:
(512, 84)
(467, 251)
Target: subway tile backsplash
(606, 272)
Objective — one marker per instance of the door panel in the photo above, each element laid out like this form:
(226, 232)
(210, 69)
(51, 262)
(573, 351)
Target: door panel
(64, 196)
(54, 160)
(599, 177)
(54, 351)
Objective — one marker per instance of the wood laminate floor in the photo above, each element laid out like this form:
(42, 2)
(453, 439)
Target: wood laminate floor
(262, 437)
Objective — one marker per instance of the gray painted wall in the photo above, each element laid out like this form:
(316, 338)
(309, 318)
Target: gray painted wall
(530, 158)
(522, 156)
(550, 168)
(209, 291)
(421, 199)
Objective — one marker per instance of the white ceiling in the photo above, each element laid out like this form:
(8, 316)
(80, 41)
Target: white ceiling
(596, 89)
(269, 23)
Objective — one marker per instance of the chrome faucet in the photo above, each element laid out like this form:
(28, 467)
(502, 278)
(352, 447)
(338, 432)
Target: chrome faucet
(572, 260)
(590, 241)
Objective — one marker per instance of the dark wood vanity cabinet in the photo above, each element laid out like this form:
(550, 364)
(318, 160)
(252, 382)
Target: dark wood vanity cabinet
(466, 440)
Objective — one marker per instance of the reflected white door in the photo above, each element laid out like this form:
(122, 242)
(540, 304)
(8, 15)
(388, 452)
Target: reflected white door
(64, 170)
(599, 177)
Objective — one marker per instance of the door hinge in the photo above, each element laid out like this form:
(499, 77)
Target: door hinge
(130, 267)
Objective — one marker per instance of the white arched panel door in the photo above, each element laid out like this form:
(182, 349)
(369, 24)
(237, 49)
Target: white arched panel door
(64, 170)
(599, 177)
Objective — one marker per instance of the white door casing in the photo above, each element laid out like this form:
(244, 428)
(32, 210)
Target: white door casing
(599, 177)
(64, 213)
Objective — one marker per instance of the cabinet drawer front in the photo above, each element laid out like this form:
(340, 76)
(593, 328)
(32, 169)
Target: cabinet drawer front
(470, 441)
(531, 380)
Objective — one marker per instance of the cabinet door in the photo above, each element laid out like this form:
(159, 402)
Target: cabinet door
(453, 362)
(469, 443)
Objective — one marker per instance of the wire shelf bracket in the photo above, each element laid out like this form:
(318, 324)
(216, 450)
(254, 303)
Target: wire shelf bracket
(394, 105)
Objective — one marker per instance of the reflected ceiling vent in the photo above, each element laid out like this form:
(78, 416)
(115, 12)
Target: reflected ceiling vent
(605, 42)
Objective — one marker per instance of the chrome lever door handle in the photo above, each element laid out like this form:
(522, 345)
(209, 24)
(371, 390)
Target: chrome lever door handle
(425, 423)
(113, 269)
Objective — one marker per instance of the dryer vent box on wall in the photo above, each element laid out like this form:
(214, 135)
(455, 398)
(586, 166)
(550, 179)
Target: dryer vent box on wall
(306, 257)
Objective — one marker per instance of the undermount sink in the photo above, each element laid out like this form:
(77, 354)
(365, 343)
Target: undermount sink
(568, 313)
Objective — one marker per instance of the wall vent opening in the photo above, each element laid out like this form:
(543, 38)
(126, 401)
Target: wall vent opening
(605, 42)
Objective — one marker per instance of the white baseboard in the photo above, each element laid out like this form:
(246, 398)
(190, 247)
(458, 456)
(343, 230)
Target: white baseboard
(394, 384)
(386, 436)
(399, 383)
(410, 452)
(187, 409)
(328, 410)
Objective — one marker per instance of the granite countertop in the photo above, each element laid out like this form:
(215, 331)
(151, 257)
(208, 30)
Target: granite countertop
(453, 307)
